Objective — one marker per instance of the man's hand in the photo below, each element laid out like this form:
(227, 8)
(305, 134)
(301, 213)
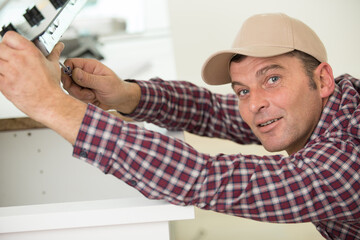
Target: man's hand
(32, 83)
(27, 78)
(93, 82)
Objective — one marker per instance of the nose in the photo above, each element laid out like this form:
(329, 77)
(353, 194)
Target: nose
(258, 101)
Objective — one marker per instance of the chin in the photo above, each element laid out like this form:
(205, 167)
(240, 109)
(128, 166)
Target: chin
(271, 147)
(275, 143)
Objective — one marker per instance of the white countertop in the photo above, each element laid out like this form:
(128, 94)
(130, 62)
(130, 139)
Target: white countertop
(89, 214)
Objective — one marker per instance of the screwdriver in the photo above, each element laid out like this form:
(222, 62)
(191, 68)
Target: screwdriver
(67, 70)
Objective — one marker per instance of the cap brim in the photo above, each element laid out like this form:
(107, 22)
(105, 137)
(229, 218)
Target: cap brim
(215, 70)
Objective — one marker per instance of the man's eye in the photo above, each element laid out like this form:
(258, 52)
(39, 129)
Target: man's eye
(273, 79)
(242, 93)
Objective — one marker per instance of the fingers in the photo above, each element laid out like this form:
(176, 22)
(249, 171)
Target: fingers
(2, 70)
(15, 49)
(3, 66)
(54, 56)
(16, 41)
(5, 52)
(83, 94)
(7, 55)
(86, 79)
(81, 84)
(88, 65)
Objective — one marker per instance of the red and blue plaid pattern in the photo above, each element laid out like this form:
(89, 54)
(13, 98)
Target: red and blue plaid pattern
(319, 184)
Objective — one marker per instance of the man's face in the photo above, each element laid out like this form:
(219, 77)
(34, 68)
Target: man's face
(276, 100)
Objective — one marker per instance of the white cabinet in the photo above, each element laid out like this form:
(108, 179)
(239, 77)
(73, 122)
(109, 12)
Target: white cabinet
(126, 219)
(45, 193)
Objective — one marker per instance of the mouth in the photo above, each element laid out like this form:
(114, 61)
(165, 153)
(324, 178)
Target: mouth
(268, 122)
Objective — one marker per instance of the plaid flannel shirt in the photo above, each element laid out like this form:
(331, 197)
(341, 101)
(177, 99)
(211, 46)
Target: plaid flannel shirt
(318, 184)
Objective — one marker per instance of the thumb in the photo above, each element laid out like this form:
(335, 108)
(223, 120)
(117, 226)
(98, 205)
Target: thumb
(85, 79)
(55, 53)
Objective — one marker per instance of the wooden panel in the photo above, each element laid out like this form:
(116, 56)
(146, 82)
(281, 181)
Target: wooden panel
(19, 124)
(12, 124)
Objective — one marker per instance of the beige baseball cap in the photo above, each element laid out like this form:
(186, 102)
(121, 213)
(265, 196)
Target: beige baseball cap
(264, 35)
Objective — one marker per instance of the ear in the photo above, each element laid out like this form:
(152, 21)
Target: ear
(326, 79)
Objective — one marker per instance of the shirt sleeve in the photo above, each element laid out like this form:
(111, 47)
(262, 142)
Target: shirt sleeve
(276, 188)
(183, 106)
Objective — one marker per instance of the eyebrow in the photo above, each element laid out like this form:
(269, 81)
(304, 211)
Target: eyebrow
(233, 84)
(267, 68)
(259, 73)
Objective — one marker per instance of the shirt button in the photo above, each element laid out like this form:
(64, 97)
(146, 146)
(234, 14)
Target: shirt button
(83, 154)
(133, 183)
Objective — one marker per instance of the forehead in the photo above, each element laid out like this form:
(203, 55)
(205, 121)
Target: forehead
(257, 67)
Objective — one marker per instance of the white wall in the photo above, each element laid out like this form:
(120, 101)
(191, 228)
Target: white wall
(202, 27)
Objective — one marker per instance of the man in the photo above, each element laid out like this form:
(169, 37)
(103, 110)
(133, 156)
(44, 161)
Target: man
(285, 98)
